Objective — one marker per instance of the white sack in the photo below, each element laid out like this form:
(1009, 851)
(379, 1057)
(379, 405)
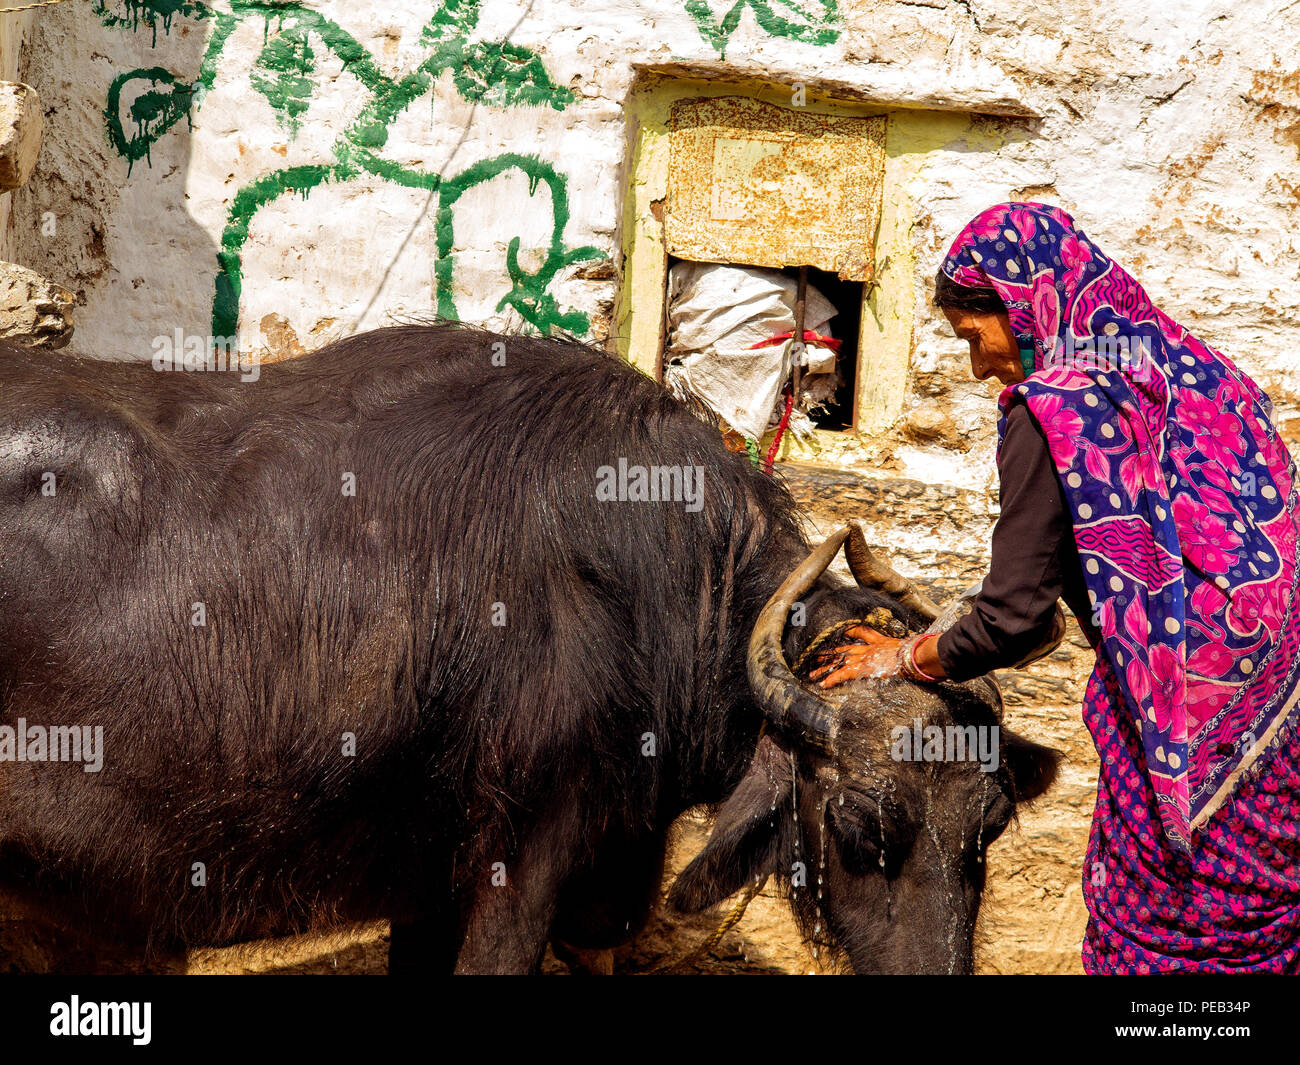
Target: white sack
(715, 314)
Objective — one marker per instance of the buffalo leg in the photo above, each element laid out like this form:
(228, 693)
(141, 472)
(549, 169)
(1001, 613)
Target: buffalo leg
(508, 929)
(608, 902)
(509, 920)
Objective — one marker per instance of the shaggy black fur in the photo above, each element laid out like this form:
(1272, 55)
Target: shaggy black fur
(482, 750)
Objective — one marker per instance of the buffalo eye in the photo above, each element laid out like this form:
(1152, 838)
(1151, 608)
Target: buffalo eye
(868, 837)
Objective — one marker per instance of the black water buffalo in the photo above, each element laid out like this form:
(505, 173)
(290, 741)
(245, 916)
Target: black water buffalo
(399, 630)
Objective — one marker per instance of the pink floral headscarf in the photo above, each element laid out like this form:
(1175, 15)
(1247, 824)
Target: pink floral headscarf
(1182, 494)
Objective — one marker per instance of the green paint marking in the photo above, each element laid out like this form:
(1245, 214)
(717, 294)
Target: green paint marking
(495, 74)
(287, 64)
(505, 75)
(152, 113)
(151, 13)
(248, 201)
(453, 19)
(528, 294)
(810, 21)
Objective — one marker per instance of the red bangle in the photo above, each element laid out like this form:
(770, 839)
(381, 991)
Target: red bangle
(916, 672)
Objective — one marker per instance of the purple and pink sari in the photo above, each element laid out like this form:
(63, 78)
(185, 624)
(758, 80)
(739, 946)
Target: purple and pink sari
(1184, 504)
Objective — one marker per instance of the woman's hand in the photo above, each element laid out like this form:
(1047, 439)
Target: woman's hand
(876, 657)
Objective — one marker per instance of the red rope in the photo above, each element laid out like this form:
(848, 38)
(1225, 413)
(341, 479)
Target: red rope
(780, 432)
(809, 337)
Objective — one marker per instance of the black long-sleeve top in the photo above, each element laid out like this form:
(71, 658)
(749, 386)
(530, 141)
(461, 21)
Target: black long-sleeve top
(1035, 562)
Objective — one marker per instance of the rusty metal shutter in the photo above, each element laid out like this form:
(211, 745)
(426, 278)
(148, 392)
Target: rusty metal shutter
(752, 183)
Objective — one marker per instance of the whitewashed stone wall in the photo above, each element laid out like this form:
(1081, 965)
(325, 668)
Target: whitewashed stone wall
(1173, 134)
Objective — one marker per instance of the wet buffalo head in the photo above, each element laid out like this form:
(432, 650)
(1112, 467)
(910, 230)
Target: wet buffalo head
(872, 804)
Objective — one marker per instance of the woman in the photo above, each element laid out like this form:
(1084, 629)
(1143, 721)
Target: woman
(1142, 481)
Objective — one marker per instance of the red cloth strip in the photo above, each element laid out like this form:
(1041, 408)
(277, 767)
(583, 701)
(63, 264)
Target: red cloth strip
(809, 337)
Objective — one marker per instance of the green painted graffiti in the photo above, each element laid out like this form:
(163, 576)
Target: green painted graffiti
(284, 75)
(811, 21)
(528, 294)
(152, 13)
(152, 113)
(497, 74)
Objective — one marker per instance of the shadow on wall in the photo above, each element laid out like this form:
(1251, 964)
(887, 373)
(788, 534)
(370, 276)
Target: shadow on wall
(139, 264)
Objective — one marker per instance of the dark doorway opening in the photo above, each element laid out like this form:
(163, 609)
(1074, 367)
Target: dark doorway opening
(846, 297)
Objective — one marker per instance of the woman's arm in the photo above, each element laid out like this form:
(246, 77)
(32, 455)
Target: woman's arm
(1014, 611)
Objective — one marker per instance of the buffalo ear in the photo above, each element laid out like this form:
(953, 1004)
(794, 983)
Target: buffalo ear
(747, 835)
(1032, 766)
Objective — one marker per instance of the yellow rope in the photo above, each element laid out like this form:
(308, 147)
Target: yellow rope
(824, 637)
(28, 7)
(733, 917)
(728, 923)
(879, 619)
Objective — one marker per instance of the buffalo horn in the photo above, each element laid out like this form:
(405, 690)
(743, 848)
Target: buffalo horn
(871, 572)
(788, 706)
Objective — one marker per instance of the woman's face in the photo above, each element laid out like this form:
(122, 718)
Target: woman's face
(993, 348)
